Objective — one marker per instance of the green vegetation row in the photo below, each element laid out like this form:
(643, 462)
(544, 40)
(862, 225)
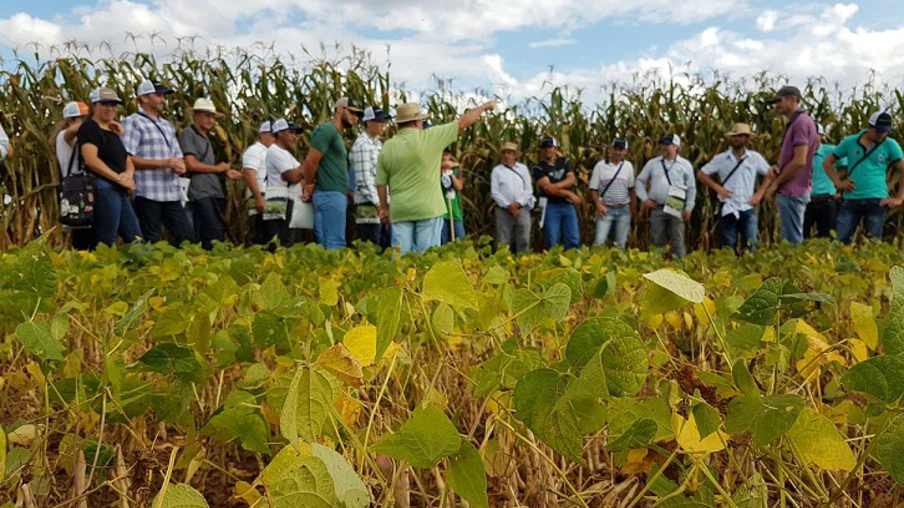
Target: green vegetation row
(254, 85)
(154, 376)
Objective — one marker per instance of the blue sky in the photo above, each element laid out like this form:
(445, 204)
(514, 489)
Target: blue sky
(509, 47)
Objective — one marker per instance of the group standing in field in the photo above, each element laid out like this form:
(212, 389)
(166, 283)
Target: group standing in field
(406, 191)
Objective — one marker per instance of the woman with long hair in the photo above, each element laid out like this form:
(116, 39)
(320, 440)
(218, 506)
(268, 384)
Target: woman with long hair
(104, 153)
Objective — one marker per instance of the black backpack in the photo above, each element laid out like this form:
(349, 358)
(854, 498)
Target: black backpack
(77, 191)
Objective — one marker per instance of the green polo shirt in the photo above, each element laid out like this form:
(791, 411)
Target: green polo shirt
(409, 164)
(869, 175)
(332, 174)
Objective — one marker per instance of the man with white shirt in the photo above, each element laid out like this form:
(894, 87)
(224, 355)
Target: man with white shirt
(363, 161)
(254, 173)
(285, 178)
(4, 144)
(513, 193)
(737, 168)
(612, 191)
(671, 195)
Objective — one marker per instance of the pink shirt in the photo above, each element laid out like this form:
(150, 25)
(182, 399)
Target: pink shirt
(801, 131)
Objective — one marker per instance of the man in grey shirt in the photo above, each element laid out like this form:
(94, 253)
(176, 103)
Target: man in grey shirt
(207, 192)
(672, 192)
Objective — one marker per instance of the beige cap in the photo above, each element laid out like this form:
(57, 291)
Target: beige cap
(105, 95)
(203, 105)
(348, 104)
(509, 146)
(409, 112)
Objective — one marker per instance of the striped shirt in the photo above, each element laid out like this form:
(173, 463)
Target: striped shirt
(150, 138)
(617, 194)
(363, 157)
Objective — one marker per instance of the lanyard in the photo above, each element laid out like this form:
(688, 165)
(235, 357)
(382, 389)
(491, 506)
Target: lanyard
(603, 193)
(666, 170)
(165, 139)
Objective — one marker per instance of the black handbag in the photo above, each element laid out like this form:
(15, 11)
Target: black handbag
(77, 192)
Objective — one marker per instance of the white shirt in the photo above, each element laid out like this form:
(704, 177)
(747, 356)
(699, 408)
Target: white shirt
(742, 183)
(661, 175)
(512, 184)
(64, 155)
(277, 162)
(4, 144)
(255, 158)
(618, 192)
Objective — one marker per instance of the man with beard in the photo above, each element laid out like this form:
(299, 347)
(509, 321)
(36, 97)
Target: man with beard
(737, 168)
(326, 174)
(151, 141)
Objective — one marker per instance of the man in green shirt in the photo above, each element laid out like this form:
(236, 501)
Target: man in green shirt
(865, 187)
(452, 184)
(823, 206)
(326, 174)
(408, 164)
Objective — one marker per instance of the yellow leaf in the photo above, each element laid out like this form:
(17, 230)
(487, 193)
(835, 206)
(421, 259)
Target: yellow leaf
(117, 309)
(35, 370)
(156, 302)
(349, 309)
(564, 261)
(674, 320)
(246, 492)
(23, 435)
(349, 409)
(819, 442)
(689, 436)
(768, 334)
(654, 321)
(688, 321)
(865, 324)
(2, 454)
(815, 357)
(329, 292)
(342, 364)
(361, 342)
(858, 348)
(636, 462)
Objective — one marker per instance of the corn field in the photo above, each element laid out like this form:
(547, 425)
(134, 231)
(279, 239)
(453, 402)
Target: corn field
(254, 84)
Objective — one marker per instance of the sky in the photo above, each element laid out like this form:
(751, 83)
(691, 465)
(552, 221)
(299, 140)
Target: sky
(511, 48)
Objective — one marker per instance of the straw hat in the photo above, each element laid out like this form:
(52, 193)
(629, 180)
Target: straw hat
(409, 112)
(739, 129)
(508, 145)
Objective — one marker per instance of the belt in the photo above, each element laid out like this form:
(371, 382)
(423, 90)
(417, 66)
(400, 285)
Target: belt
(615, 206)
(822, 198)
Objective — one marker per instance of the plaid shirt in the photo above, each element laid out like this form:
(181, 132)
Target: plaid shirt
(364, 161)
(142, 138)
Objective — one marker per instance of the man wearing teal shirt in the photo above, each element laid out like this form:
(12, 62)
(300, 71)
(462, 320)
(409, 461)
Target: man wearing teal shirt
(865, 187)
(823, 206)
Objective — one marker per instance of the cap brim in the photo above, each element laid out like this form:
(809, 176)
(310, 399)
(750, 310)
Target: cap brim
(412, 119)
(108, 101)
(773, 100)
(882, 128)
(214, 113)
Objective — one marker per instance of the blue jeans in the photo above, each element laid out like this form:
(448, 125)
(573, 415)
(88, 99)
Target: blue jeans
(851, 213)
(618, 222)
(329, 218)
(561, 221)
(746, 224)
(417, 236)
(153, 215)
(208, 221)
(113, 214)
(459, 231)
(791, 210)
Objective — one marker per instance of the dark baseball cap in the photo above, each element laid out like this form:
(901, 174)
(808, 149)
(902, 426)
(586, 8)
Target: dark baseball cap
(785, 91)
(881, 121)
(620, 143)
(548, 142)
(670, 139)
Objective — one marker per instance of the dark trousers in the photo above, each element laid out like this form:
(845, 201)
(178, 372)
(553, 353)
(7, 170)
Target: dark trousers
(82, 238)
(264, 230)
(208, 221)
(377, 234)
(745, 224)
(821, 212)
(114, 214)
(153, 215)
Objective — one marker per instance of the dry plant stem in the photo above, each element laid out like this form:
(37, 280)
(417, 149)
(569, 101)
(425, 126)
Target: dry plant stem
(166, 477)
(100, 438)
(857, 471)
(548, 460)
(652, 480)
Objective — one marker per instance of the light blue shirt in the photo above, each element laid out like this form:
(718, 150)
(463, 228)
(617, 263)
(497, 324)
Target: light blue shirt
(742, 183)
(869, 175)
(822, 184)
(680, 174)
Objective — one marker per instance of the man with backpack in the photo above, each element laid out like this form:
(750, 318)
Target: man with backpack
(864, 186)
(737, 168)
(612, 192)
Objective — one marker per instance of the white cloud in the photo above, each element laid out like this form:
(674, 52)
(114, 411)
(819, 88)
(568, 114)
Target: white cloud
(552, 43)
(766, 21)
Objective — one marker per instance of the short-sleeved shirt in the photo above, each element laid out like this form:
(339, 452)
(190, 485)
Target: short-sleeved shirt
(409, 163)
(622, 181)
(153, 138)
(556, 172)
(822, 184)
(332, 174)
(203, 185)
(870, 175)
(277, 162)
(64, 153)
(255, 158)
(456, 200)
(800, 131)
(109, 146)
(742, 183)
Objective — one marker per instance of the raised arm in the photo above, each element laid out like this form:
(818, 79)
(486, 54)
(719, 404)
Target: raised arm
(471, 116)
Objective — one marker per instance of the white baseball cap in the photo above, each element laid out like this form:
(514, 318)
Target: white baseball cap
(75, 110)
(283, 125)
(206, 106)
(265, 127)
(375, 115)
(153, 86)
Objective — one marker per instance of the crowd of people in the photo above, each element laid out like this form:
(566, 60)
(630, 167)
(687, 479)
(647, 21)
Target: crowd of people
(406, 190)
